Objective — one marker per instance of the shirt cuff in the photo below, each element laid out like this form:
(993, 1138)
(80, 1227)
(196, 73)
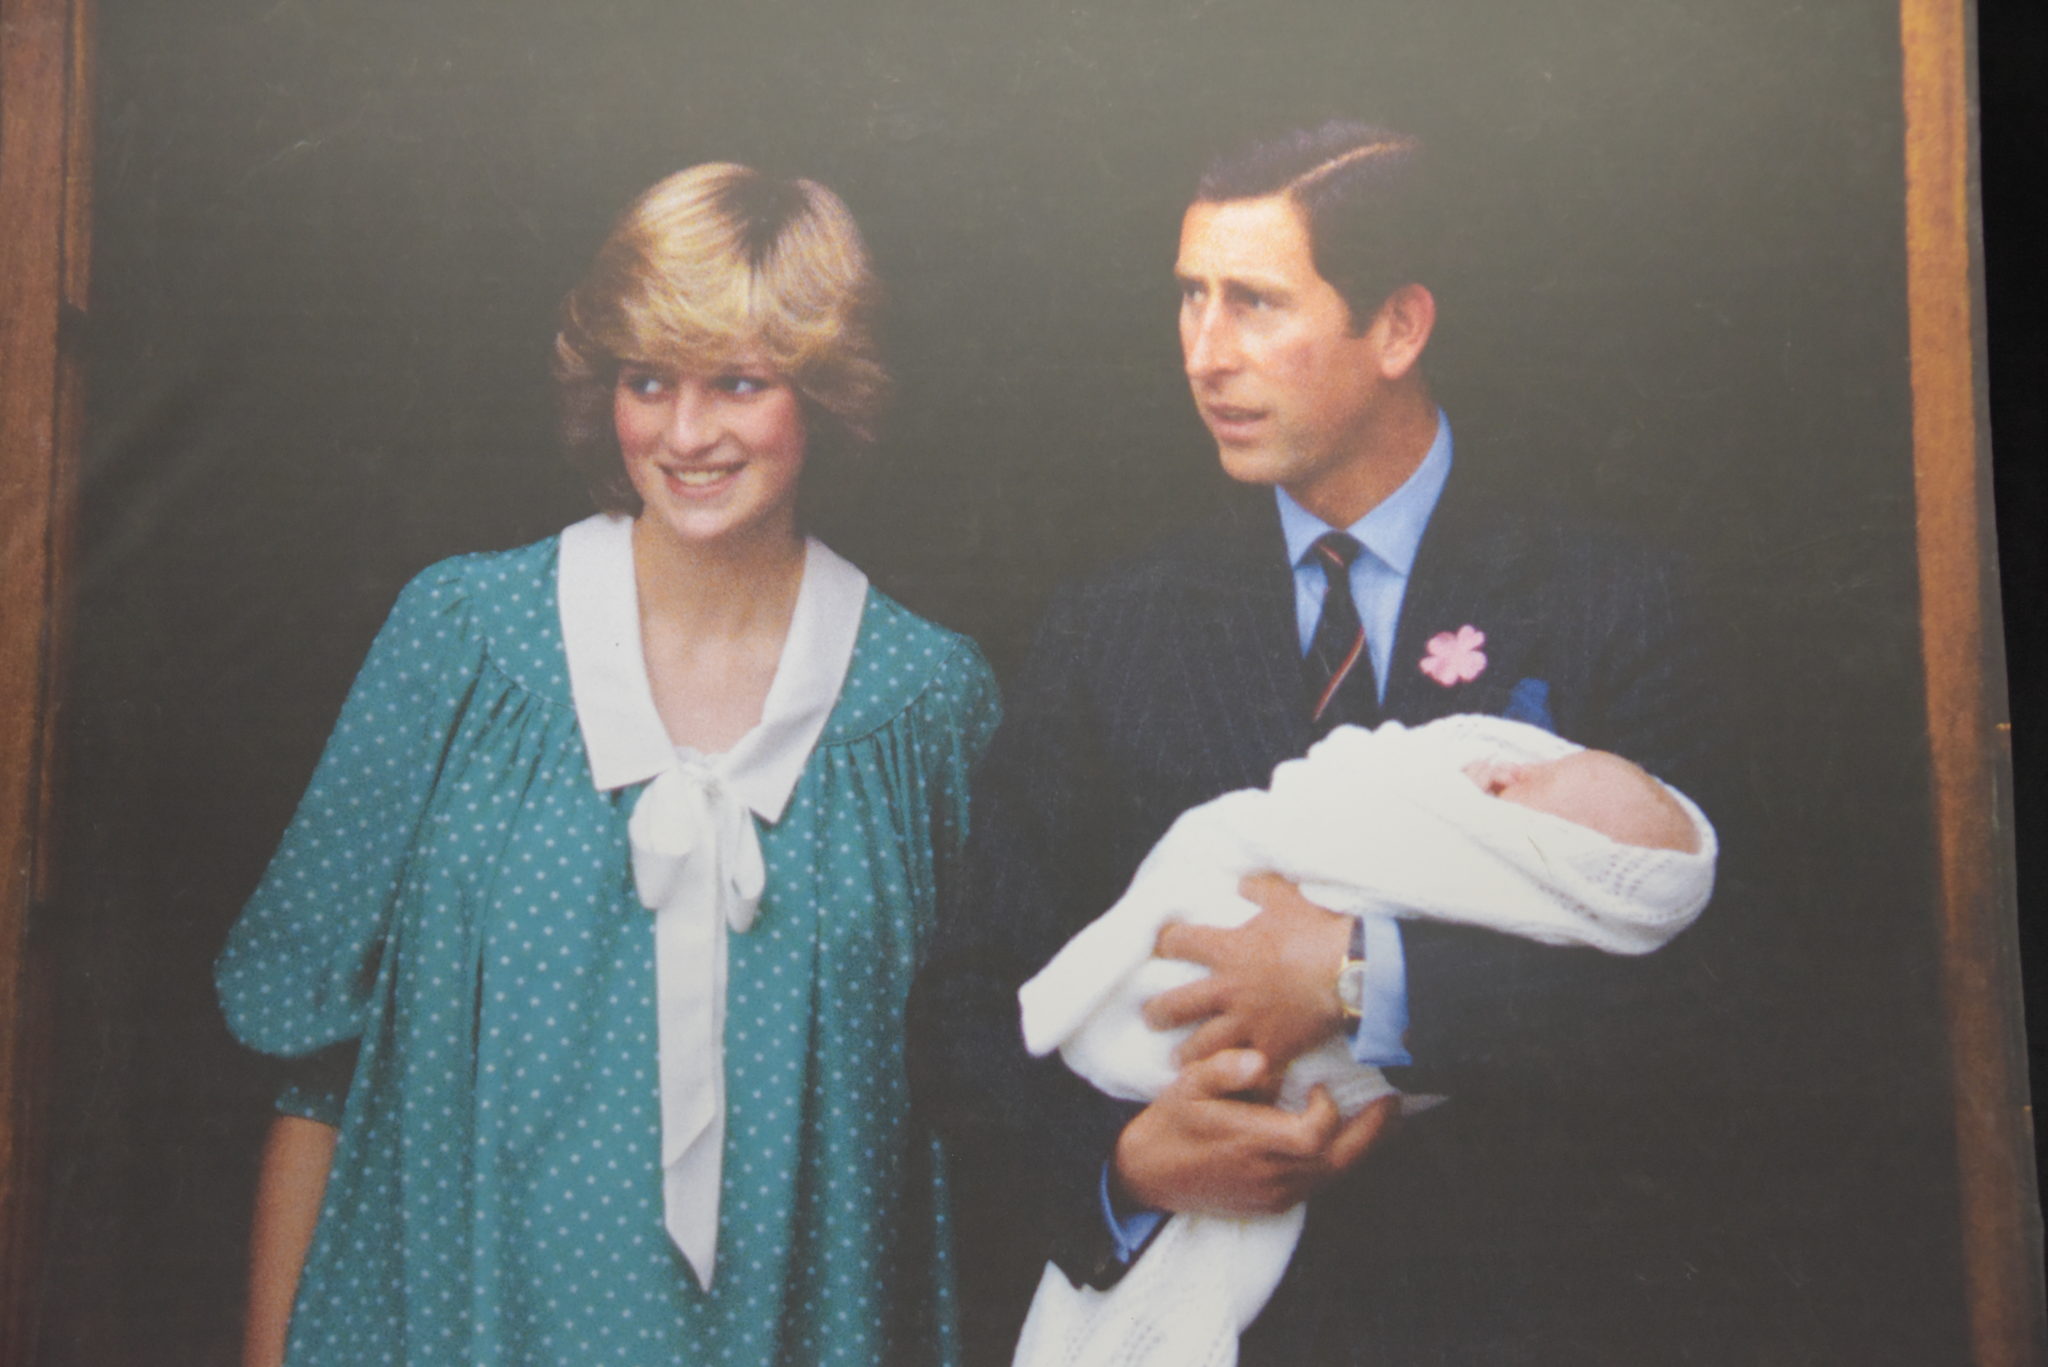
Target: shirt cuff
(1130, 1232)
(1383, 1017)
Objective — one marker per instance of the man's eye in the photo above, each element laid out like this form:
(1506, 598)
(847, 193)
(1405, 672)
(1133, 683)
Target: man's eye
(1190, 292)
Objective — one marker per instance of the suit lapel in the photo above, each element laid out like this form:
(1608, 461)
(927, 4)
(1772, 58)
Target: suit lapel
(1468, 569)
(1230, 703)
(1241, 644)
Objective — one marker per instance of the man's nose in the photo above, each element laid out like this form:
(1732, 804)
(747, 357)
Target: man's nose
(1209, 342)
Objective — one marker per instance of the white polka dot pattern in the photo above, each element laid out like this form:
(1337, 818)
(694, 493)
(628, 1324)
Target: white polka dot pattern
(455, 895)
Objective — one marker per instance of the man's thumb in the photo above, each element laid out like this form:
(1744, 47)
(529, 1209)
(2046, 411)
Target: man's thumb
(1232, 1070)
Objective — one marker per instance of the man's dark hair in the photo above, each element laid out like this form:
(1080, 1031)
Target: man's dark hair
(1363, 195)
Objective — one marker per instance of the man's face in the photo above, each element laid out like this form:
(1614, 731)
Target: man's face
(1285, 387)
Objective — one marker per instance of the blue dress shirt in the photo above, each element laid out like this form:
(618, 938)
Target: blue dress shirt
(1390, 534)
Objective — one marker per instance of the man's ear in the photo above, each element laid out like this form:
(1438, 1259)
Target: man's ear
(1402, 327)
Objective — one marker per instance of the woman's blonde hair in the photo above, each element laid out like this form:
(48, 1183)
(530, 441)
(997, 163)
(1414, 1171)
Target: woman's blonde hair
(710, 265)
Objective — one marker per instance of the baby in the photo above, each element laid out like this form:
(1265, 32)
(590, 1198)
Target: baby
(1599, 791)
(1474, 820)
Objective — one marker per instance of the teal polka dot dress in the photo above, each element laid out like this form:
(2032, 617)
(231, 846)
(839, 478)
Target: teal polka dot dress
(455, 899)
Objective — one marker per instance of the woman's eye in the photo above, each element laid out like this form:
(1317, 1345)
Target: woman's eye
(644, 384)
(744, 384)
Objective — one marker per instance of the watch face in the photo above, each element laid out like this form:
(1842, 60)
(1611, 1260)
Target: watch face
(1351, 987)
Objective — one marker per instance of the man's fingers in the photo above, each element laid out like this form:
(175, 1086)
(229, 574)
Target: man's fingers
(1359, 1133)
(1185, 1005)
(1222, 1075)
(1213, 1036)
(1205, 945)
(1317, 1124)
(1269, 890)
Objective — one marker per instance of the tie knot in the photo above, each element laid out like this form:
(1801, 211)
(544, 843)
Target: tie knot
(1335, 550)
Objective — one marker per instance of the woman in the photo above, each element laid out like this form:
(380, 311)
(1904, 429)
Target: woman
(609, 885)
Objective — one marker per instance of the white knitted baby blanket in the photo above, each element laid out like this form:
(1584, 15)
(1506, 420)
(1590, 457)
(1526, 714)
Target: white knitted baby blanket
(1381, 821)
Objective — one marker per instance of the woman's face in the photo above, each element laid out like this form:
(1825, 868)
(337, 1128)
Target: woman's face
(714, 456)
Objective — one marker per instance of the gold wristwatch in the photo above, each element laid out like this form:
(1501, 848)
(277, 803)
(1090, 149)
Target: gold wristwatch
(1351, 974)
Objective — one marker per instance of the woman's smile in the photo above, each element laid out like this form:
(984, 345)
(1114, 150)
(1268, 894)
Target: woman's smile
(697, 481)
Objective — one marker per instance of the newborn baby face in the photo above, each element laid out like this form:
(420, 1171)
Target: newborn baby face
(1594, 789)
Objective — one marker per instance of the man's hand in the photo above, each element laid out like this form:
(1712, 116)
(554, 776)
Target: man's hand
(1203, 1147)
(1272, 983)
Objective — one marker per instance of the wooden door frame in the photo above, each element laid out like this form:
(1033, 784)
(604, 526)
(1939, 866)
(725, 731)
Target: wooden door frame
(1964, 665)
(45, 207)
(45, 190)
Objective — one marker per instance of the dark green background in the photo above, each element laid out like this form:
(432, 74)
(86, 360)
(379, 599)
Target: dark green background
(330, 240)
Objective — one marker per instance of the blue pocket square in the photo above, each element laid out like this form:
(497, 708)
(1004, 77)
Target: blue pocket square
(1529, 701)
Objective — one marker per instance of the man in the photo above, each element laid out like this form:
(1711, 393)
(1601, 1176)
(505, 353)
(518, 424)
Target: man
(1360, 580)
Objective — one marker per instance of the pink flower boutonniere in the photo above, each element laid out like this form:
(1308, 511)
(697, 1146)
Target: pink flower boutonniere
(1455, 657)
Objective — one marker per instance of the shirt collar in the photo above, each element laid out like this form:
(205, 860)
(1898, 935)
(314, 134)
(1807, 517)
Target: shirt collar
(1393, 529)
(622, 733)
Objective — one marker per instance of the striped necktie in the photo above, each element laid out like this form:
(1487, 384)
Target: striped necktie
(1338, 668)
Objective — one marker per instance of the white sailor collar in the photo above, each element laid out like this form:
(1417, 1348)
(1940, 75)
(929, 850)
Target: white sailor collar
(623, 734)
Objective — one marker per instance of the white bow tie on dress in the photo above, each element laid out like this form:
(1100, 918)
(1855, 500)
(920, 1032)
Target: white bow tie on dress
(697, 867)
(697, 861)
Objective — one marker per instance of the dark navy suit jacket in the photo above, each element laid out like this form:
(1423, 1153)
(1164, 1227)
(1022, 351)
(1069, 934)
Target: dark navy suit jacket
(1528, 1220)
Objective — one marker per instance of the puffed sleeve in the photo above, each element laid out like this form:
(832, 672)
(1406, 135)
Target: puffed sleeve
(959, 713)
(317, 1086)
(298, 967)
